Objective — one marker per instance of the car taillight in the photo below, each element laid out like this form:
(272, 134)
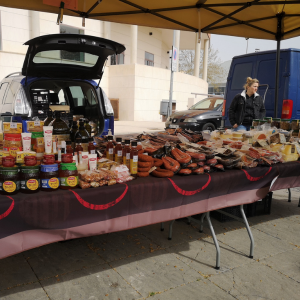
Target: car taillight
(287, 109)
(223, 109)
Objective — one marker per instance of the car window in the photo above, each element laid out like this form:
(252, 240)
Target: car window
(207, 104)
(91, 97)
(21, 104)
(62, 98)
(3, 88)
(12, 91)
(78, 96)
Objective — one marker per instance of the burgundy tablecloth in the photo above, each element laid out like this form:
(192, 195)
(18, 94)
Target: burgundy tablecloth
(28, 221)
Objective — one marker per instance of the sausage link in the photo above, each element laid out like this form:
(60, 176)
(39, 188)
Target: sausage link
(142, 164)
(144, 169)
(157, 162)
(145, 158)
(162, 173)
(142, 174)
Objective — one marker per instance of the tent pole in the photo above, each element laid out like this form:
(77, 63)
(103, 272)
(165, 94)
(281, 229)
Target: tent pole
(277, 78)
(171, 80)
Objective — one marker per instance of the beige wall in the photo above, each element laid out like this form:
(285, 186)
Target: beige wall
(141, 88)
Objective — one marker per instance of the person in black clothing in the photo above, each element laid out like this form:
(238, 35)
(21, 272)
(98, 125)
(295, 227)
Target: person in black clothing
(246, 106)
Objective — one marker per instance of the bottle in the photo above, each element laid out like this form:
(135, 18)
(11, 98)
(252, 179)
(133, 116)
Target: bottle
(81, 166)
(49, 118)
(126, 154)
(73, 131)
(88, 127)
(78, 146)
(110, 148)
(84, 135)
(69, 147)
(59, 125)
(91, 147)
(118, 153)
(133, 168)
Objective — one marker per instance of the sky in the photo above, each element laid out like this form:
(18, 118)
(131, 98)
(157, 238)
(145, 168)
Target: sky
(229, 46)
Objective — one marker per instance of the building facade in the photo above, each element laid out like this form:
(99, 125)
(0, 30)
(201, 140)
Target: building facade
(136, 81)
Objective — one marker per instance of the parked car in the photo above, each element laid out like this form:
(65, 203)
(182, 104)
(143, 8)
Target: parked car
(58, 73)
(204, 115)
(262, 65)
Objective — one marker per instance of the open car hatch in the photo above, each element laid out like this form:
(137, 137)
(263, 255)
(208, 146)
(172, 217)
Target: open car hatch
(72, 56)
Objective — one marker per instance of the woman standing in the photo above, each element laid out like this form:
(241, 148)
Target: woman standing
(246, 106)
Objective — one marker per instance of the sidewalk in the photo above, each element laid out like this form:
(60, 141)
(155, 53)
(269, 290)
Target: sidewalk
(143, 264)
(129, 127)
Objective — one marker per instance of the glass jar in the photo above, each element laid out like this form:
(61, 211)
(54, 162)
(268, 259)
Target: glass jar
(30, 179)
(9, 180)
(262, 122)
(295, 124)
(49, 159)
(285, 124)
(67, 158)
(255, 122)
(68, 175)
(8, 161)
(276, 122)
(30, 160)
(268, 119)
(49, 177)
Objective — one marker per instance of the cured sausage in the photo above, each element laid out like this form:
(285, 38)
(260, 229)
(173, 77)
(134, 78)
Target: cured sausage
(162, 173)
(171, 164)
(185, 172)
(206, 169)
(192, 166)
(145, 158)
(141, 151)
(144, 164)
(211, 162)
(199, 171)
(180, 156)
(157, 162)
(197, 156)
(144, 169)
(142, 174)
(201, 164)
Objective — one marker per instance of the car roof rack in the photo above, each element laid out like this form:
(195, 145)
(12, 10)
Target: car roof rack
(13, 74)
(209, 95)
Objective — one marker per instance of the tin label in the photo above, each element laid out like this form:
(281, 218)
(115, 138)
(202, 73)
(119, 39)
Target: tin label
(71, 181)
(9, 186)
(134, 164)
(52, 183)
(30, 184)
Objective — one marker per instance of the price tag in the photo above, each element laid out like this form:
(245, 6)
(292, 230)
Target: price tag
(13, 125)
(37, 123)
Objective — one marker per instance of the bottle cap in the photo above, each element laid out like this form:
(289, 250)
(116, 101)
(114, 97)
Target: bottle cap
(134, 144)
(91, 139)
(78, 140)
(69, 142)
(110, 138)
(119, 140)
(127, 142)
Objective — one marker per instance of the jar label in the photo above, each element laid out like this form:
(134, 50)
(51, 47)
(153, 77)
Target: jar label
(71, 181)
(111, 151)
(85, 147)
(93, 152)
(9, 186)
(133, 165)
(52, 183)
(30, 184)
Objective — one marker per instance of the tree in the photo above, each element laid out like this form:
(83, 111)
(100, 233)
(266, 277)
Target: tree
(215, 72)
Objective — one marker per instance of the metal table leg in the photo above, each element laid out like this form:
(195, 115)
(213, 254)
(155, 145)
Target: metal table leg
(249, 231)
(215, 240)
(170, 230)
(299, 202)
(162, 226)
(202, 221)
(290, 195)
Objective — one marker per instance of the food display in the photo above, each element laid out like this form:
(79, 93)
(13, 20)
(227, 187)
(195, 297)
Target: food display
(58, 157)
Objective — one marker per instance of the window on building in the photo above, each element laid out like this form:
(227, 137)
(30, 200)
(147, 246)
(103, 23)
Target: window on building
(78, 56)
(149, 59)
(117, 59)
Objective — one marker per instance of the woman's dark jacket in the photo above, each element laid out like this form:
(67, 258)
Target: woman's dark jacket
(237, 108)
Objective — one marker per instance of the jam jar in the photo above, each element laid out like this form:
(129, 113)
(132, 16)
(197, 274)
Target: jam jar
(276, 123)
(49, 177)
(68, 175)
(285, 124)
(30, 160)
(9, 180)
(8, 161)
(67, 158)
(30, 179)
(49, 159)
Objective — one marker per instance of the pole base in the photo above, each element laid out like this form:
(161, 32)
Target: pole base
(162, 229)
(250, 256)
(169, 238)
(217, 268)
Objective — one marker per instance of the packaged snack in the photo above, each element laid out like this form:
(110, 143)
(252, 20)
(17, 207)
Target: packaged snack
(21, 154)
(12, 127)
(84, 185)
(34, 126)
(3, 154)
(12, 143)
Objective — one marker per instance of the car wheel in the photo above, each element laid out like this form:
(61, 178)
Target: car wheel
(209, 126)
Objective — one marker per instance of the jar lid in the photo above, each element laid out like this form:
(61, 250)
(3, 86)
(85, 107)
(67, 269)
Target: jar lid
(256, 120)
(295, 120)
(285, 120)
(262, 121)
(29, 167)
(276, 119)
(267, 118)
(9, 168)
(49, 168)
(68, 166)
(49, 155)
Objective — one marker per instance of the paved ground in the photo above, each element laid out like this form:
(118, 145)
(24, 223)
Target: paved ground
(127, 127)
(143, 264)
